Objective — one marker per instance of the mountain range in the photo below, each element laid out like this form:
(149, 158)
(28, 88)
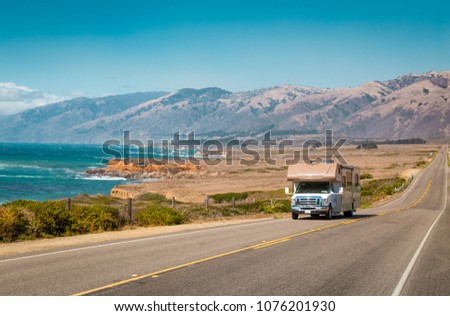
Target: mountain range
(413, 105)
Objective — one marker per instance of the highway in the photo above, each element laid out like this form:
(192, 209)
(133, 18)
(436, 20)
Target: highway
(400, 248)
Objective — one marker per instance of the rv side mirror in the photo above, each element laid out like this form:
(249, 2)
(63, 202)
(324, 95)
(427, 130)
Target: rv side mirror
(286, 191)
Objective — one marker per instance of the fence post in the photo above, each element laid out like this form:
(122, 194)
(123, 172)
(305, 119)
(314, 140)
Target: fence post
(68, 204)
(234, 202)
(173, 202)
(130, 209)
(206, 201)
(271, 201)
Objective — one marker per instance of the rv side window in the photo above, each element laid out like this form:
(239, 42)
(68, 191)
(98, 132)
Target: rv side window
(349, 178)
(344, 181)
(357, 180)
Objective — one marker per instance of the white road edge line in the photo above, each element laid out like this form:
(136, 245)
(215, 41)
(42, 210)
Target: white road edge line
(401, 284)
(131, 241)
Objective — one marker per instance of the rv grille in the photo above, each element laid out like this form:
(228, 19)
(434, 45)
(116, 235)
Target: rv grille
(310, 201)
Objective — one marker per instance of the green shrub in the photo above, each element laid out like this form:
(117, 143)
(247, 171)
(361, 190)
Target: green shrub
(366, 176)
(375, 190)
(26, 204)
(278, 207)
(386, 186)
(51, 218)
(247, 208)
(150, 196)
(255, 208)
(95, 218)
(159, 216)
(195, 212)
(228, 197)
(13, 223)
(420, 164)
(229, 211)
(243, 209)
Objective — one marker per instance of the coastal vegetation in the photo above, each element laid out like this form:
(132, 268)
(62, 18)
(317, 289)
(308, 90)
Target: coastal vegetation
(228, 197)
(376, 190)
(160, 216)
(31, 219)
(24, 219)
(421, 164)
(366, 176)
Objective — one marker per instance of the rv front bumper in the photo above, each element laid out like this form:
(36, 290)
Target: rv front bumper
(307, 210)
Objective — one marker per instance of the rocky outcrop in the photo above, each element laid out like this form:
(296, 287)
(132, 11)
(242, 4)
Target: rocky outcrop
(132, 169)
(120, 193)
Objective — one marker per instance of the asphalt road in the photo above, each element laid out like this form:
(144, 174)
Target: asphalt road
(381, 251)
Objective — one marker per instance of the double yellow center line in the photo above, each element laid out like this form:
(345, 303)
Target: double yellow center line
(253, 247)
(410, 205)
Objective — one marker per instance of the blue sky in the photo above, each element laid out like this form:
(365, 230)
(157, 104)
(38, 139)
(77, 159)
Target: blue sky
(108, 47)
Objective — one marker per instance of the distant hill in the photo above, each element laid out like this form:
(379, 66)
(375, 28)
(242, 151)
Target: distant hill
(406, 107)
(53, 122)
(418, 108)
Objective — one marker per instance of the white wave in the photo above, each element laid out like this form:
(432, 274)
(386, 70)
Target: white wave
(20, 176)
(19, 166)
(103, 157)
(94, 167)
(67, 170)
(103, 178)
(35, 167)
(5, 165)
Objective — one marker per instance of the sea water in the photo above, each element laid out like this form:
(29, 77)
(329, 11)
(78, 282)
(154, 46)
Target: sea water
(49, 171)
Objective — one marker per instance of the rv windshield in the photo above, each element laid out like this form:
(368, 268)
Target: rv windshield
(313, 187)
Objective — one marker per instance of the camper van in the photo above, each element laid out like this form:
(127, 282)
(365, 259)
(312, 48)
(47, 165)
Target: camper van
(324, 189)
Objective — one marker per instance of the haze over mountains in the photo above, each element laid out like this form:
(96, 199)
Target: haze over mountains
(405, 107)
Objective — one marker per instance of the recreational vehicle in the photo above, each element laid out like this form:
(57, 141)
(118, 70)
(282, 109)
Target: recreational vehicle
(326, 188)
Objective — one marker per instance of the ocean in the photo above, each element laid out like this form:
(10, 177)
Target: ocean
(49, 171)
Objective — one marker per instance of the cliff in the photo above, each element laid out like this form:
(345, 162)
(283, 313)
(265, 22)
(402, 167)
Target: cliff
(150, 170)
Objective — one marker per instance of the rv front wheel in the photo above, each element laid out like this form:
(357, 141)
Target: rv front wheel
(330, 213)
(294, 215)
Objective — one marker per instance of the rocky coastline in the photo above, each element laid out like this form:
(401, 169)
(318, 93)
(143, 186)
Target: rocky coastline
(132, 169)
